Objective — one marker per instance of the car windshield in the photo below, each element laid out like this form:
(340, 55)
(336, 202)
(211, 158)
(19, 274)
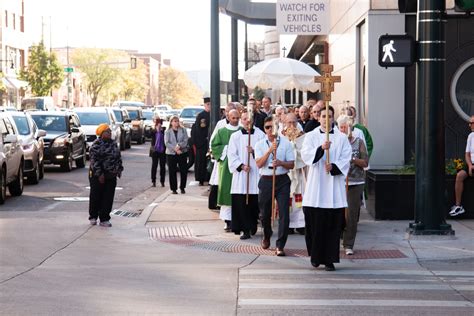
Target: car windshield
(50, 122)
(22, 125)
(88, 118)
(148, 115)
(133, 114)
(189, 113)
(118, 115)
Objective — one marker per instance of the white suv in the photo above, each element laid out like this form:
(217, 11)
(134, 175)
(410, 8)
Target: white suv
(92, 117)
(11, 158)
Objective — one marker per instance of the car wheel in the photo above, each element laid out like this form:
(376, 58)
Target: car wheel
(67, 165)
(16, 187)
(41, 170)
(81, 162)
(34, 177)
(3, 186)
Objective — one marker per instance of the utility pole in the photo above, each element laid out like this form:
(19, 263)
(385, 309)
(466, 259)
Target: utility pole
(69, 88)
(430, 208)
(215, 67)
(235, 61)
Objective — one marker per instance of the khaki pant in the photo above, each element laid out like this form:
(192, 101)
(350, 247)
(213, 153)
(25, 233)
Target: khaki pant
(354, 196)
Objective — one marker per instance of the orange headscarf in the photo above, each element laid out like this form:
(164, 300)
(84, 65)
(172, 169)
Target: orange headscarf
(101, 128)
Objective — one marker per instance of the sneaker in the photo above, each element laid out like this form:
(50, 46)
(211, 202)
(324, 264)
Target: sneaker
(456, 210)
(349, 252)
(93, 222)
(105, 224)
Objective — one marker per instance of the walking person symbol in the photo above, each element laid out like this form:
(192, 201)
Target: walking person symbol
(388, 49)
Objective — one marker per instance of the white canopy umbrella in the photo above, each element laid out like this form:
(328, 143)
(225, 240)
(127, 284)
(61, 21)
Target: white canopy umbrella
(281, 73)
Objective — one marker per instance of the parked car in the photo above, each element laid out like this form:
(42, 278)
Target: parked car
(31, 138)
(124, 121)
(138, 126)
(11, 158)
(7, 109)
(129, 103)
(65, 141)
(187, 117)
(172, 112)
(91, 117)
(38, 103)
(149, 123)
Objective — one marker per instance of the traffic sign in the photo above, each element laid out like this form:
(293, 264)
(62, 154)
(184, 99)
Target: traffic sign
(396, 50)
(69, 69)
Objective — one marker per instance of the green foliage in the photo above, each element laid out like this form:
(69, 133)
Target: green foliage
(44, 72)
(100, 67)
(452, 166)
(177, 90)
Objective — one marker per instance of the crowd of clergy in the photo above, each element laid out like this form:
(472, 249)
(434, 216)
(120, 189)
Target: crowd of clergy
(297, 168)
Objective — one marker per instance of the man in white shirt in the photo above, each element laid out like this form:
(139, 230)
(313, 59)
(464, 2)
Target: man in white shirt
(324, 207)
(283, 162)
(463, 174)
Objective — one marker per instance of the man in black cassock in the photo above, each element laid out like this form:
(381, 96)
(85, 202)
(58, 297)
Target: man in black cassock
(200, 138)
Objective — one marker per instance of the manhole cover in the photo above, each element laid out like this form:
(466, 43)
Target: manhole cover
(72, 199)
(125, 213)
(169, 232)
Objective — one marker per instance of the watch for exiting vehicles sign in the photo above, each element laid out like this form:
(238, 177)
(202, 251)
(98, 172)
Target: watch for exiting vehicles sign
(396, 50)
(302, 17)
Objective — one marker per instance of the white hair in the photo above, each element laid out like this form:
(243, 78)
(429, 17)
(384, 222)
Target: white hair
(345, 119)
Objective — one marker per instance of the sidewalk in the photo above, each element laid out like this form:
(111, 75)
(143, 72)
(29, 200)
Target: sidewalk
(192, 224)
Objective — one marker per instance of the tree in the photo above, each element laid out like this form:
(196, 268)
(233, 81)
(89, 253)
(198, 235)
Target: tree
(44, 72)
(176, 89)
(100, 67)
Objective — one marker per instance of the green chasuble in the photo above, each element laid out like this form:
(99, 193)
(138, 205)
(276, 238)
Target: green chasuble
(219, 151)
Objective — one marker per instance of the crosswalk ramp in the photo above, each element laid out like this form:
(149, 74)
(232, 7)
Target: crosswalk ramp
(309, 291)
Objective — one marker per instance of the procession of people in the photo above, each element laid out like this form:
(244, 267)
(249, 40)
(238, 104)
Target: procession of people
(265, 160)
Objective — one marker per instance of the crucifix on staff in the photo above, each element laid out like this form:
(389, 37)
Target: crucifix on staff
(327, 87)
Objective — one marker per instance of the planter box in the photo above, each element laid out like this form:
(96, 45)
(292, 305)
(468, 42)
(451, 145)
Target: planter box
(392, 196)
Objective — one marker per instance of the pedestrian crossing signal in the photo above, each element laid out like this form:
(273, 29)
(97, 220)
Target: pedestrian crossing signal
(396, 50)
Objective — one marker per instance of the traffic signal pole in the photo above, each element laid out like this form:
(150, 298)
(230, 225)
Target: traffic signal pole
(430, 200)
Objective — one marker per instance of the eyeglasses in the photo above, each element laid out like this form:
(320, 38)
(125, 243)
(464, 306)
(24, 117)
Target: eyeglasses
(268, 126)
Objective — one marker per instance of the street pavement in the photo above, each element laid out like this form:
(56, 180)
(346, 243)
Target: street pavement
(174, 258)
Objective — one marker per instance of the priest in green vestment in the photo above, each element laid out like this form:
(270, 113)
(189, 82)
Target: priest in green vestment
(219, 151)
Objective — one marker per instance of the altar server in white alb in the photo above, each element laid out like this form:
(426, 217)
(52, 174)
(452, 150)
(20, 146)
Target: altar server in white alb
(326, 197)
(242, 165)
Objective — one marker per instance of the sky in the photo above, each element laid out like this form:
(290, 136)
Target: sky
(178, 29)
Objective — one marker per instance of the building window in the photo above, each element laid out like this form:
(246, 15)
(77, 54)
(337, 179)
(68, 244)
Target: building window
(462, 94)
(14, 21)
(6, 18)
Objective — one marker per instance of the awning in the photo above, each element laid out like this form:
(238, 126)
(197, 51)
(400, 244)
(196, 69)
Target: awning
(14, 83)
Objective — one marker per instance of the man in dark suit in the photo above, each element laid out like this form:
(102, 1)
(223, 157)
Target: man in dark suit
(200, 139)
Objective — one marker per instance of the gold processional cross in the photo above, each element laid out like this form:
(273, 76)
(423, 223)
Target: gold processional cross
(327, 87)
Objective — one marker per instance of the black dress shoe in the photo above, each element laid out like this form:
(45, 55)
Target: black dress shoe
(162, 184)
(291, 231)
(330, 267)
(280, 252)
(182, 191)
(153, 183)
(265, 243)
(245, 236)
(314, 264)
(300, 230)
(174, 192)
(253, 231)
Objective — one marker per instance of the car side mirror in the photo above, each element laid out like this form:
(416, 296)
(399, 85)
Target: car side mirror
(75, 130)
(128, 121)
(143, 119)
(41, 133)
(10, 138)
